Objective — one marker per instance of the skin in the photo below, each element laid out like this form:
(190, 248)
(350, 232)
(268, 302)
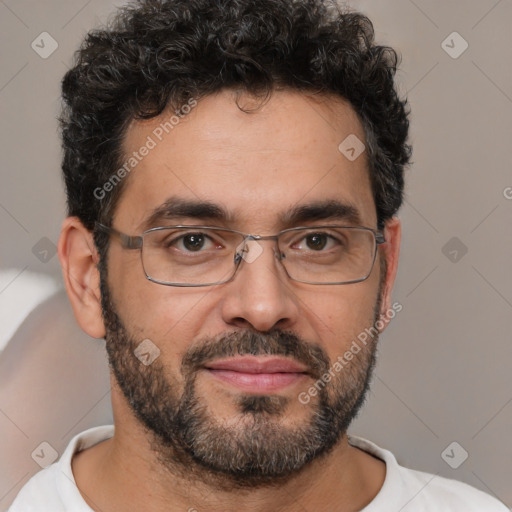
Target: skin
(256, 166)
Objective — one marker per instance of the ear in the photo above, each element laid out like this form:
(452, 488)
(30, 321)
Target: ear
(390, 250)
(79, 258)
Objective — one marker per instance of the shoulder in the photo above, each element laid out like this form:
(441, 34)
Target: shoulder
(416, 491)
(53, 489)
(434, 491)
(40, 493)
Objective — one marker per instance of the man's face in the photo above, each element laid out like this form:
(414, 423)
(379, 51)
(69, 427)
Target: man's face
(257, 166)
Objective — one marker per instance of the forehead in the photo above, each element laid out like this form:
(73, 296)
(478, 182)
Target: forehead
(256, 164)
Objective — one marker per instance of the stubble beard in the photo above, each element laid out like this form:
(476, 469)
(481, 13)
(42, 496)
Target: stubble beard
(257, 450)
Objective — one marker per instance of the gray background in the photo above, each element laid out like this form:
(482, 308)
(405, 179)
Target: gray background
(443, 374)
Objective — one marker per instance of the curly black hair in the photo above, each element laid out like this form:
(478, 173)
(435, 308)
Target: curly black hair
(158, 54)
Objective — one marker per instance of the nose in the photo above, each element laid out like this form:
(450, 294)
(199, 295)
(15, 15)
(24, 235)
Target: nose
(260, 295)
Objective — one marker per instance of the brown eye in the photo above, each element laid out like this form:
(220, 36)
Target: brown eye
(316, 241)
(193, 242)
(189, 242)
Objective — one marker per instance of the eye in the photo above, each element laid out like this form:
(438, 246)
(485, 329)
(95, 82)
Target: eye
(317, 242)
(192, 242)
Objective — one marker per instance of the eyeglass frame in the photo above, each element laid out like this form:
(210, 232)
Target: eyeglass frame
(133, 242)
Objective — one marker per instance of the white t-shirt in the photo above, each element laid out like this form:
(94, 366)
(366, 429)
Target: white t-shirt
(54, 490)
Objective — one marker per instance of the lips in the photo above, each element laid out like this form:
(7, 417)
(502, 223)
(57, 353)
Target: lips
(257, 374)
(252, 364)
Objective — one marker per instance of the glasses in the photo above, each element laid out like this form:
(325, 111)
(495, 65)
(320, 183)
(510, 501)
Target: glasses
(207, 256)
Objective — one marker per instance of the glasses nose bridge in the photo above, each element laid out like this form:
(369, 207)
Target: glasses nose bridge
(258, 238)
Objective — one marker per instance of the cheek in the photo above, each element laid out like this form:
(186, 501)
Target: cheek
(169, 317)
(143, 303)
(339, 316)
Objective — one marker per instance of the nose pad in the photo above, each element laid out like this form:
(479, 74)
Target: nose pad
(240, 252)
(250, 250)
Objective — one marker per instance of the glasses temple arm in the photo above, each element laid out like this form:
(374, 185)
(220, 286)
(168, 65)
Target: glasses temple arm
(127, 241)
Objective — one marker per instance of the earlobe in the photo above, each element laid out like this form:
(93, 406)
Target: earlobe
(390, 251)
(79, 258)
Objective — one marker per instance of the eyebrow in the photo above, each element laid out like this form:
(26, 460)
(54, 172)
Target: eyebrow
(330, 209)
(175, 208)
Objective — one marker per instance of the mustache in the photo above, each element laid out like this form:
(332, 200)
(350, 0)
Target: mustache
(276, 343)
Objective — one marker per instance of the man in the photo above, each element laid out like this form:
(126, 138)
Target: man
(233, 171)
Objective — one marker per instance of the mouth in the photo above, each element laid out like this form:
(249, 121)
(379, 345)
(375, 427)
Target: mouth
(258, 374)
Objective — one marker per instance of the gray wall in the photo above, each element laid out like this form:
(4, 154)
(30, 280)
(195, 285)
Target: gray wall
(443, 374)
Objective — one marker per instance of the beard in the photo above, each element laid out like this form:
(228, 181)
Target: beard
(258, 449)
